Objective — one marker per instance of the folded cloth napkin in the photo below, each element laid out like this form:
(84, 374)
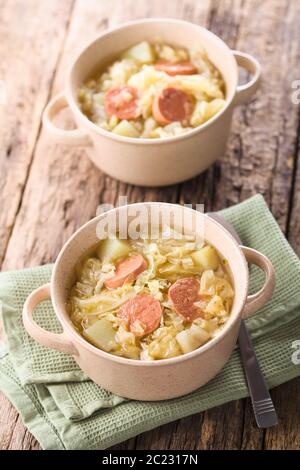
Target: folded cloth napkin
(65, 410)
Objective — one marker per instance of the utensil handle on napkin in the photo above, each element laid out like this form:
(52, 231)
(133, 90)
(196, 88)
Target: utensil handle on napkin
(59, 341)
(264, 411)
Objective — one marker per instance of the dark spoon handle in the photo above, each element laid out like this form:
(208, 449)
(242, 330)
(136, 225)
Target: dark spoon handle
(262, 403)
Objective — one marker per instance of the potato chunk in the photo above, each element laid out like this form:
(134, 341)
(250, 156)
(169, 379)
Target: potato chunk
(126, 129)
(141, 53)
(206, 258)
(191, 339)
(113, 248)
(102, 335)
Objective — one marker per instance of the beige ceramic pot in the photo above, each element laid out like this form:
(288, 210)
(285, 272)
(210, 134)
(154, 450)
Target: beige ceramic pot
(153, 162)
(154, 380)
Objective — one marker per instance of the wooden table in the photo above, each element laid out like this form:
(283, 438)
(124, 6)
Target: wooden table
(47, 191)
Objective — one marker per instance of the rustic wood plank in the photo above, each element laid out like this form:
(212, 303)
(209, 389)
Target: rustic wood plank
(225, 20)
(64, 189)
(28, 60)
(286, 435)
(58, 199)
(253, 437)
(167, 437)
(8, 420)
(63, 186)
(204, 431)
(198, 432)
(273, 147)
(67, 172)
(23, 40)
(258, 158)
(293, 223)
(22, 439)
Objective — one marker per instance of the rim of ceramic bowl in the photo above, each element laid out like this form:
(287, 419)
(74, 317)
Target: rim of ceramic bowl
(69, 329)
(142, 141)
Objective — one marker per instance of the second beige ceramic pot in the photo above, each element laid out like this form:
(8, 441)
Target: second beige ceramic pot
(150, 380)
(153, 162)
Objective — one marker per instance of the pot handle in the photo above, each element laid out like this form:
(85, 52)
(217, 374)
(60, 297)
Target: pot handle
(255, 301)
(62, 136)
(248, 62)
(59, 341)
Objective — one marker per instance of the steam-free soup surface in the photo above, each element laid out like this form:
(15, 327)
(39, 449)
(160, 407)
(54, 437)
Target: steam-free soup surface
(151, 299)
(154, 90)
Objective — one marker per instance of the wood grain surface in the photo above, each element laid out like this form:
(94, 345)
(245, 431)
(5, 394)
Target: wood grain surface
(47, 190)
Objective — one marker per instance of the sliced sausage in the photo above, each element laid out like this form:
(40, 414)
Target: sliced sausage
(122, 101)
(128, 269)
(177, 68)
(171, 105)
(142, 314)
(182, 294)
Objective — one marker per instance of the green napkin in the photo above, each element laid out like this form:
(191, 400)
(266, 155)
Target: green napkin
(64, 410)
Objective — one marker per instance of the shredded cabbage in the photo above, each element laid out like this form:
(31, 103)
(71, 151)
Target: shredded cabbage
(136, 68)
(90, 302)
